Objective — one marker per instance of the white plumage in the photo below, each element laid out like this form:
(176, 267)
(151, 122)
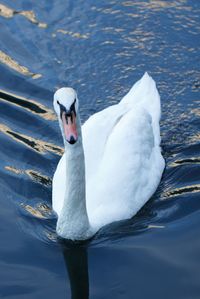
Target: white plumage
(123, 161)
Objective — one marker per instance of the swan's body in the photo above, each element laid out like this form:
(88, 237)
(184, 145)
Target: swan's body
(123, 164)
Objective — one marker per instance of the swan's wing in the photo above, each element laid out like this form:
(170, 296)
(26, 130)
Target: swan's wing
(96, 131)
(145, 94)
(129, 172)
(99, 126)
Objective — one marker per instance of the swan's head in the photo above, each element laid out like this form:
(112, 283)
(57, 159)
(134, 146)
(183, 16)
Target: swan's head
(66, 106)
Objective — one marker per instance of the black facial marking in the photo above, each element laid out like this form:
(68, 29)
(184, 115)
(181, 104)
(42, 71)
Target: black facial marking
(72, 107)
(68, 113)
(62, 109)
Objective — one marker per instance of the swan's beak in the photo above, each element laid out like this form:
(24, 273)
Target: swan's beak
(69, 125)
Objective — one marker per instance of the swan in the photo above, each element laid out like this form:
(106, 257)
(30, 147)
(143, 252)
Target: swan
(111, 165)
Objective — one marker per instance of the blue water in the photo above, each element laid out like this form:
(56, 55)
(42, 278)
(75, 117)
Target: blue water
(100, 48)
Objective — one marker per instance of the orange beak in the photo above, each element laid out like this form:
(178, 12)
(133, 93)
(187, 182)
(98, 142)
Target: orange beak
(69, 125)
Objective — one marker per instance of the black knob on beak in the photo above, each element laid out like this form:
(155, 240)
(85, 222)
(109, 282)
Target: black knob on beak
(72, 140)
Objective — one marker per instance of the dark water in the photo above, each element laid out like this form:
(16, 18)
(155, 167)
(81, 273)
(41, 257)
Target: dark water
(100, 48)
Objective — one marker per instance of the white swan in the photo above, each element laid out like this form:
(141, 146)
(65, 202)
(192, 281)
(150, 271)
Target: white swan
(108, 172)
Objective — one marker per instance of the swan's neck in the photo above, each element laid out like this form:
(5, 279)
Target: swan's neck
(73, 221)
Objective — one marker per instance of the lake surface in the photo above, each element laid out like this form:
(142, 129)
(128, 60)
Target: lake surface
(100, 48)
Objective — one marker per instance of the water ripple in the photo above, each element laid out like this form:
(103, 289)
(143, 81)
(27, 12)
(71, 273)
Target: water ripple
(35, 144)
(30, 105)
(8, 12)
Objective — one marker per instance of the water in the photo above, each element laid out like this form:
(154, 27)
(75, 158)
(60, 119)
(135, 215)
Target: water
(100, 48)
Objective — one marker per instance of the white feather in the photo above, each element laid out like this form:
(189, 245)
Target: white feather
(123, 158)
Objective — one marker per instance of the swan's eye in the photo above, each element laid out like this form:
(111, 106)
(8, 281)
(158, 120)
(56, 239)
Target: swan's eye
(58, 103)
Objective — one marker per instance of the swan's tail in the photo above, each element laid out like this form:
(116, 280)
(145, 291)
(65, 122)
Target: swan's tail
(145, 94)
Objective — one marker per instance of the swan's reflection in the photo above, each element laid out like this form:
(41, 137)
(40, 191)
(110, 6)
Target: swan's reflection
(76, 261)
(76, 253)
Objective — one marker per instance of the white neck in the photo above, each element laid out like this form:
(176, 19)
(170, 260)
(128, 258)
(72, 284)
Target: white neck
(73, 221)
